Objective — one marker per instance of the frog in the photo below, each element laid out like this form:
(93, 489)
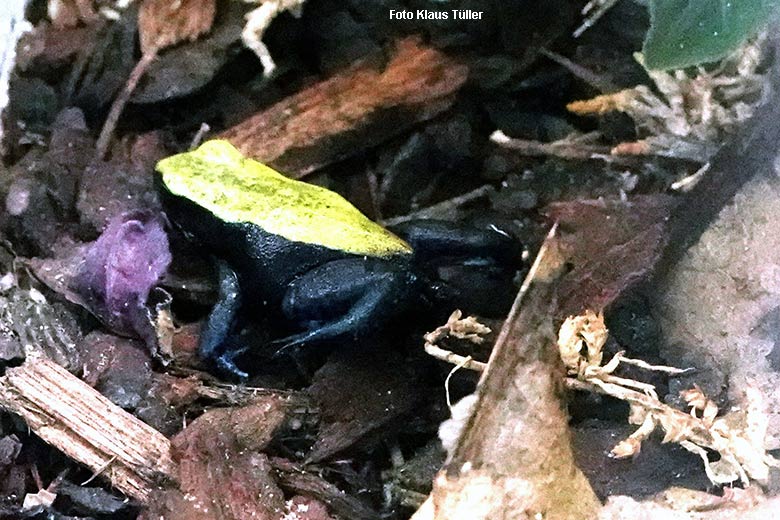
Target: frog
(303, 254)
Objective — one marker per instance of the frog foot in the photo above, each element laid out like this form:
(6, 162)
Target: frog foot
(226, 364)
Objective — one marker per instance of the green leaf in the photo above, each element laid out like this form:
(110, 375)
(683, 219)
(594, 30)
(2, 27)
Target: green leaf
(690, 32)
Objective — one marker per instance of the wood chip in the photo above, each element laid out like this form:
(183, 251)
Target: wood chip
(351, 111)
(74, 418)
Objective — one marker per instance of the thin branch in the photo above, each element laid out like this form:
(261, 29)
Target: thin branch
(107, 132)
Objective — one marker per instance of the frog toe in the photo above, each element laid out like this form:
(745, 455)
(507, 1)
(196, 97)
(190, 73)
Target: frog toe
(227, 365)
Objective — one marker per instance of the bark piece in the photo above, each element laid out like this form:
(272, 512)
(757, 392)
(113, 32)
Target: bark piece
(222, 473)
(74, 418)
(362, 398)
(295, 479)
(514, 458)
(351, 111)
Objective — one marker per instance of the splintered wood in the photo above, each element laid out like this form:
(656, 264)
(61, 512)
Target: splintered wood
(351, 111)
(513, 458)
(74, 418)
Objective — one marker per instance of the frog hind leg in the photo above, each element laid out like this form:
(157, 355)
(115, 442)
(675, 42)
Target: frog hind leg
(477, 264)
(433, 240)
(213, 346)
(343, 298)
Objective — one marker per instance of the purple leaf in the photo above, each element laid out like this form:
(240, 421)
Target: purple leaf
(122, 266)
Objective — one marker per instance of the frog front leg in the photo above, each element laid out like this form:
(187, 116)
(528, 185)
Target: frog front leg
(343, 298)
(213, 346)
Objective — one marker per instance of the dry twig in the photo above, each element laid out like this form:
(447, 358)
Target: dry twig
(468, 328)
(573, 147)
(738, 437)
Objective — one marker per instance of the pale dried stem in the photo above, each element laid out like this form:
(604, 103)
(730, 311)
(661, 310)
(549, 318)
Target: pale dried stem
(107, 132)
(655, 368)
(453, 358)
(570, 148)
(444, 209)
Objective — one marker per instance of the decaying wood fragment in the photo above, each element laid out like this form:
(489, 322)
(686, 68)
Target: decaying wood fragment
(351, 111)
(514, 458)
(295, 479)
(74, 418)
(222, 472)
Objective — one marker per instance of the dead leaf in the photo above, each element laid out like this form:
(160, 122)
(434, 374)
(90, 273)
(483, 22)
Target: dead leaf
(361, 395)
(610, 245)
(162, 23)
(181, 70)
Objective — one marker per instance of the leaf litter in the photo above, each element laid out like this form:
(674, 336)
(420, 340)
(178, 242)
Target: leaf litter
(737, 437)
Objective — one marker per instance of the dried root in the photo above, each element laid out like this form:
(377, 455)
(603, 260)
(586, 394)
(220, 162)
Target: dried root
(687, 115)
(737, 437)
(258, 20)
(468, 329)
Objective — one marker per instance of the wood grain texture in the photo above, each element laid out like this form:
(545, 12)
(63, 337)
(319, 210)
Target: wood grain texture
(74, 418)
(351, 111)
